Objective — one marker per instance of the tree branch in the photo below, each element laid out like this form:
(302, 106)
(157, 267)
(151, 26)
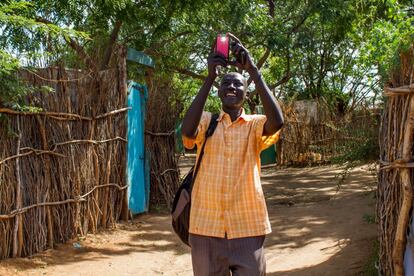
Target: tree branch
(193, 75)
(74, 45)
(150, 50)
(300, 23)
(283, 80)
(110, 46)
(271, 4)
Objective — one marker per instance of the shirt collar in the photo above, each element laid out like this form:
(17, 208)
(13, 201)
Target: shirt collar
(243, 116)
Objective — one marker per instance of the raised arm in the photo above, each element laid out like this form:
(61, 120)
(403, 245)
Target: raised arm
(271, 108)
(193, 115)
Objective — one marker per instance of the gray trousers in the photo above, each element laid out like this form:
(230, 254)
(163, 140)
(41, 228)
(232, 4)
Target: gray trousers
(222, 257)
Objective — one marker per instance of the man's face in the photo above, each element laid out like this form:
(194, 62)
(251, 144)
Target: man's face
(232, 91)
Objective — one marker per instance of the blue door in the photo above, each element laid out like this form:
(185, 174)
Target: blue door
(137, 167)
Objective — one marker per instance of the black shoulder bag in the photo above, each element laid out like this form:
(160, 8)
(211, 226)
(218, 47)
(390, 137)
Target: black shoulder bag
(182, 200)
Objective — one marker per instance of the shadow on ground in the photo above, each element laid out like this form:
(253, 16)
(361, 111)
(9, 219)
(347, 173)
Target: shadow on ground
(317, 230)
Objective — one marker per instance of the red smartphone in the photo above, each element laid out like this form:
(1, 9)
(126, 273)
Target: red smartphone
(223, 45)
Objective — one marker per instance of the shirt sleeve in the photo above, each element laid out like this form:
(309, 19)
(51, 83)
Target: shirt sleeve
(189, 143)
(264, 141)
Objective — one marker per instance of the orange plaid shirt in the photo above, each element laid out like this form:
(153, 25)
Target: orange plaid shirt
(227, 196)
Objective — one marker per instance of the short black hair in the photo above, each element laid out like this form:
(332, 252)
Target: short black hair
(236, 74)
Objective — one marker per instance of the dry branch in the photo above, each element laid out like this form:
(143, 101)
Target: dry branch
(112, 113)
(18, 199)
(159, 133)
(61, 115)
(88, 141)
(168, 170)
(396, 164)
(71, 200)
(194, 75)
(407, 198)
(59, 80)
(39, 152)
(399, 91)
(54, 114)
(54, 146)
(15, 156)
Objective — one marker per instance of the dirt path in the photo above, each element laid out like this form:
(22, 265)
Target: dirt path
(316, 231)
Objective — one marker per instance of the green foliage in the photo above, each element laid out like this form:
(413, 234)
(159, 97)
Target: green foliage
(388, 36)
(337, 50)
(21, 37)
(363, 149)
(25, 33)
(8, 63)
(15, 16)
(188, 90)
(11, 89)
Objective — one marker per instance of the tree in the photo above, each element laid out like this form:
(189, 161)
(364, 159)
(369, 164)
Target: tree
(335, 50)
(21, 40)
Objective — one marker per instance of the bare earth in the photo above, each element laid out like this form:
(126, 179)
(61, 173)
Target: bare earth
(316, 231)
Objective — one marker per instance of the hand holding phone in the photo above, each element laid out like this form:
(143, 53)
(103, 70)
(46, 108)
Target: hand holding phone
(225, 43)
(228, 42)
(243, 60)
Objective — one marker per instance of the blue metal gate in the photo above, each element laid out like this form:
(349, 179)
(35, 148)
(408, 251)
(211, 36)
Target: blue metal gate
(137, 165)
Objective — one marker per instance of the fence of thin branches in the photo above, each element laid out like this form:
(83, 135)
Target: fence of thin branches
(62, 170)
(395, 182)
(162, 115)
(316, 135)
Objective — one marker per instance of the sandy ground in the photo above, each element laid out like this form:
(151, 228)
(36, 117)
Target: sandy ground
(316, 231)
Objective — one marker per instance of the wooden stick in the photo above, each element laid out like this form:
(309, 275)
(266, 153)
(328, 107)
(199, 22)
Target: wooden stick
(54, 80)
(89, 141)
(407, 201)
(399, 91)
(62, 115)
(123, 90)
(112, 113)
(20, 237)
(35, 151)
(38, 151)
(168, 170)
(396, 164)
(160, 134)
(18, 198)
(15, 156)
(106, 191)
(15, 212)
(27, 113)
(47, 180)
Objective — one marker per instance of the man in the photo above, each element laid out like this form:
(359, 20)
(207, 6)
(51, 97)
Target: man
(229, 219)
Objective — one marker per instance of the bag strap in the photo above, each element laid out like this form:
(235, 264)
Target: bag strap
(210, 130)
